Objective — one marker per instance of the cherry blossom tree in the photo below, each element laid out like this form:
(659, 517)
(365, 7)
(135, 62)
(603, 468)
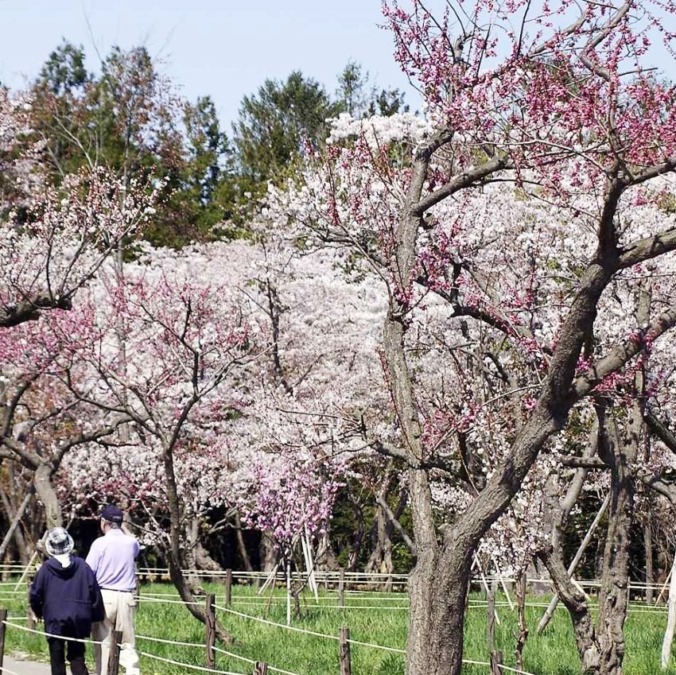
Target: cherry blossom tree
(208, 420)
(53, 243)
(557, 111)
(47, 255)
(317, 374)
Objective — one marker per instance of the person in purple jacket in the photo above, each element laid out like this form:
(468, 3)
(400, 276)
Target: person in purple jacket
(65, 594)
(113, 559)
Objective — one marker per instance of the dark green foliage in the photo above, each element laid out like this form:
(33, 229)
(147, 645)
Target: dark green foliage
(128, 118)
(64, 71)
(356, 96)
(276, 123)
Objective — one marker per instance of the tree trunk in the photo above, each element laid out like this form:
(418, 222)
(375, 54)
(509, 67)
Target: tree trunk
(438, 590)
(175, 552)
(649, 564)
(241, 546)
(439, 582)
(268, 553)
(576, 604)
(15, 519)
(186, 592)
(380, 560)
(621, 455)
(620, 451)
(325, 558)
(47, 495)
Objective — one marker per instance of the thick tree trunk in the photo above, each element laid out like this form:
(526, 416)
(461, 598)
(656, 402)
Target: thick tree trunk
(325, 558)
(200, 556)
(438, 591)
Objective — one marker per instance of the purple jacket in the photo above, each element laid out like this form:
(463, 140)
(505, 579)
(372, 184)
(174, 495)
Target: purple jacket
(68, 599)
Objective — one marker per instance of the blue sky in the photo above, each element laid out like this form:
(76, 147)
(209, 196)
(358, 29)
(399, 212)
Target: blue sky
(224, 48)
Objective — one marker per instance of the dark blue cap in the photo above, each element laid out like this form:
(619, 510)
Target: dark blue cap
(112, 513)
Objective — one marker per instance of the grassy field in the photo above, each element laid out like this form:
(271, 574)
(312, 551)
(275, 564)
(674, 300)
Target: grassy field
(373, 618)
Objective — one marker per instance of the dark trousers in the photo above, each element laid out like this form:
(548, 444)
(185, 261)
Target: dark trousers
(62, 648)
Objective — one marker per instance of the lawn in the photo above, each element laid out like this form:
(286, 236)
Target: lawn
(376, 619)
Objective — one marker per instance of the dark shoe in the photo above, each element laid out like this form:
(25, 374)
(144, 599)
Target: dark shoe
(78, 666)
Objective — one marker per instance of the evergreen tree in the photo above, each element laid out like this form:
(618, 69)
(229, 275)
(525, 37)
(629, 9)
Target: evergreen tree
(275, 124)
(358, 97)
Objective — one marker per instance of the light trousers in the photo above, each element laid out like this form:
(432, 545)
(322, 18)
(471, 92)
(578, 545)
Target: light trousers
(120, 612)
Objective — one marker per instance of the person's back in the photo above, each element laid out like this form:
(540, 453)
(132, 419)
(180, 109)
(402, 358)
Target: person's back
(113, 559)
(64, 597)
(65, 594)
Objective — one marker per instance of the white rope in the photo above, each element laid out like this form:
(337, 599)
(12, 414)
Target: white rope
(279, 601)
(201, 646)
(308, 632)
(243, 658)
(485, 663)
(170, 602)
(368, 644)
(187, 665)
(170, 642)
(277, 625)
(236, 656)
(51, 635)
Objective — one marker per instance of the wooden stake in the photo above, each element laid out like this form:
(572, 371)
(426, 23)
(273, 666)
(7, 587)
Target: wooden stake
(3, 628)
(210, 626)
(228, 587)
(671, 620)
(495, 655)
(485, 583)
(114, 659)
(341, 587)
(288, 591)
(345, 661)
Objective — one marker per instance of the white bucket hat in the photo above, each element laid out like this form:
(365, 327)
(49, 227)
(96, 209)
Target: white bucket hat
(59, 542)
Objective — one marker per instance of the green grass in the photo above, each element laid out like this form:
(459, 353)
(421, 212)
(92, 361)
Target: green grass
(383, 623)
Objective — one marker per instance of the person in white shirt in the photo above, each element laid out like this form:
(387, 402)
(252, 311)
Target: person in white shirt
(113, 559)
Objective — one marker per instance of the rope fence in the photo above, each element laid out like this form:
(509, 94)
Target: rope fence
(352, 580)
(355, 592)
(195, 668)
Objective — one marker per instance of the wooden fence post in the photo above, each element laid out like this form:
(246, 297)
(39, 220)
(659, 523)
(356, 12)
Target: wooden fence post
(260, 668)
(114, 658)
(210, 625)
(341, 587)
(345, 662)
(228, 587)
(3, 618)
(495, 656)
